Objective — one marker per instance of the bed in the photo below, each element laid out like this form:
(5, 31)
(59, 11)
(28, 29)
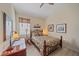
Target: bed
(46, 44)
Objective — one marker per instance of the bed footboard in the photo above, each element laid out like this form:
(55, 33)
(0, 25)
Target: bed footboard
(45, 46)
(44, 50)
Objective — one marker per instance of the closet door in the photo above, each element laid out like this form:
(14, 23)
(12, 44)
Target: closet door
(8, 28)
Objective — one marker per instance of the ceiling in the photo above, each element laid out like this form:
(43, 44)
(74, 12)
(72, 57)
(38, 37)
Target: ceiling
(33, 9)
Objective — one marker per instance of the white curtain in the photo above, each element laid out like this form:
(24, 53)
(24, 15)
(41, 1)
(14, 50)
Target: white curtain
(24, 29)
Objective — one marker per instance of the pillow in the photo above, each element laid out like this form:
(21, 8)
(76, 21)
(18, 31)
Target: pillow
(37, 33)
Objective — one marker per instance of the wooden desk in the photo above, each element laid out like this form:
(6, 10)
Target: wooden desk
(17, 49)
(14, 52)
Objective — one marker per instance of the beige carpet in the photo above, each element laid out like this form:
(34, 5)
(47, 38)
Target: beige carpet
(32, 51)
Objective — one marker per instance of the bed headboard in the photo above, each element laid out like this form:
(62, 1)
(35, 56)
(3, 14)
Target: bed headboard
(37, 32)
(61, 41)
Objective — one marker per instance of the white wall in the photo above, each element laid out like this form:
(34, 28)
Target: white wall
(7, 8)
(13, 17)
(69, 14)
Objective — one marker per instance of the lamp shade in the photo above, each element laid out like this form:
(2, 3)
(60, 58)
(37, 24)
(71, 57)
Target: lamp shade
(45, 31)
(15, 36)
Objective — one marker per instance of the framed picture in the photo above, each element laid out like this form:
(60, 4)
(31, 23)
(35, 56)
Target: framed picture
(37, 26)
(51, 27)
(61, 28)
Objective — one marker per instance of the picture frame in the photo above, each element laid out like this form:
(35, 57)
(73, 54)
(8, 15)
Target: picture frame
(61, 28)
(51, 27)
(37, 26)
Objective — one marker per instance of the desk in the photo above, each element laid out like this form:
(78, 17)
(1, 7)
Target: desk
(17, 49)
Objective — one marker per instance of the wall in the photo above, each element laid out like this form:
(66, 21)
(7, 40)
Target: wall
(33, 20)
(13, 17)
(69, 14)
(7, 8)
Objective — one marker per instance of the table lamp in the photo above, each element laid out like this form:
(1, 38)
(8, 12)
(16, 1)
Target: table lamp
(15, 36)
